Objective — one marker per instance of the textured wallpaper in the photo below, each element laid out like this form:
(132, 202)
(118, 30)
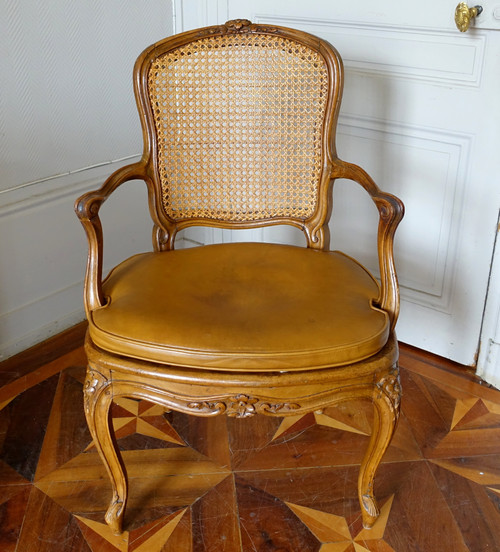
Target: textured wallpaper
(66, 97)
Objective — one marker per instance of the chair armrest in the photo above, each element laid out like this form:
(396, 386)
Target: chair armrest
(87, 209)
(391, 211)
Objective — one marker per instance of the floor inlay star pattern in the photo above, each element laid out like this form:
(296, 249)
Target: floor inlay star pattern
(259, 484)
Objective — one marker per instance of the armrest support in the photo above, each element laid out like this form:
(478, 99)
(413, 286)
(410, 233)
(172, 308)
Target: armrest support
(391, 211)
(87, 209)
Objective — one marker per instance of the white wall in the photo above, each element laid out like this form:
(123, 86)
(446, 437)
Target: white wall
(67, 120)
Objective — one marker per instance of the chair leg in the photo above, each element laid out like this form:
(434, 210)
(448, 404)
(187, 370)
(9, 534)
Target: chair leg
(386, 400)
(98, 398)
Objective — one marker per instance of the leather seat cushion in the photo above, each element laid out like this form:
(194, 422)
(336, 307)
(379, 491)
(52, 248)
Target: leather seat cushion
(236, 306)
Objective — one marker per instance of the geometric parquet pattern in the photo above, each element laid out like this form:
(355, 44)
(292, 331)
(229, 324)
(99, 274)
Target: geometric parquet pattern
(252, 485)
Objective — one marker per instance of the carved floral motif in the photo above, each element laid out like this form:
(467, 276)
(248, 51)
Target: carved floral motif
(233, 26)
(237, 24)
(241, 406)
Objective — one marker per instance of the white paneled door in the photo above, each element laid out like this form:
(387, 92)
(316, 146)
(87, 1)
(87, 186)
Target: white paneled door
(421, 113)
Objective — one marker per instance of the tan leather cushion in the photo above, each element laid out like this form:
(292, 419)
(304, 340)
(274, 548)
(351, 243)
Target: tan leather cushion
(242, 307)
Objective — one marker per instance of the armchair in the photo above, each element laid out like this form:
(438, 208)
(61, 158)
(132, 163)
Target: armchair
(239, 127)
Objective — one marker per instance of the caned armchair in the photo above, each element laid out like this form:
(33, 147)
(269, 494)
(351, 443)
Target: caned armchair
(239, 132)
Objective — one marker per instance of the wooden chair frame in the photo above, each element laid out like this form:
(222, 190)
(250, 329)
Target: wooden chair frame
(241, 394)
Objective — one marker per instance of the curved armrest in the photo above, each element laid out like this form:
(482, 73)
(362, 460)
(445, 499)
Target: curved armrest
(87, 209)
(391, 211)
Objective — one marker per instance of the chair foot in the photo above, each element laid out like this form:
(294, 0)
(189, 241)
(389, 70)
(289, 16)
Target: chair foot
(369, 511)
(114, 515)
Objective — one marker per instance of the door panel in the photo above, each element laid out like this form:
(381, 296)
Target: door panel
(420, 114)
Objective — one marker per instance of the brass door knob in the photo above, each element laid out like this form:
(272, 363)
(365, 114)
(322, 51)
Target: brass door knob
(464, 15)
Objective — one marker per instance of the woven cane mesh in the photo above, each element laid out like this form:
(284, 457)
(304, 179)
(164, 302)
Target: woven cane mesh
(239, 124)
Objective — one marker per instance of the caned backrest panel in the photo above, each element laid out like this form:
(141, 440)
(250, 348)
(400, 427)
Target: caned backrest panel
(239, 120)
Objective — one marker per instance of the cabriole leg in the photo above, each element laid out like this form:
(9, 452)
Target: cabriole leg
(386, 401)
(97, 400)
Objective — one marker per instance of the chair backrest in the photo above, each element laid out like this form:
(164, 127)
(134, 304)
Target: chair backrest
(239, 124)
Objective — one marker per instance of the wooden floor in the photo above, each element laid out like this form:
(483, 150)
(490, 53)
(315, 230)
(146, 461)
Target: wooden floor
(259, 484)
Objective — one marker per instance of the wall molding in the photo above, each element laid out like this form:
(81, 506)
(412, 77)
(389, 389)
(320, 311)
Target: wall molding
(441, 57)
(59, 186)
(42, 296)
(455, 149)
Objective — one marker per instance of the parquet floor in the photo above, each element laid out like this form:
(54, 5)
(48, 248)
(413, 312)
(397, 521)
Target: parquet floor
(252, 485)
